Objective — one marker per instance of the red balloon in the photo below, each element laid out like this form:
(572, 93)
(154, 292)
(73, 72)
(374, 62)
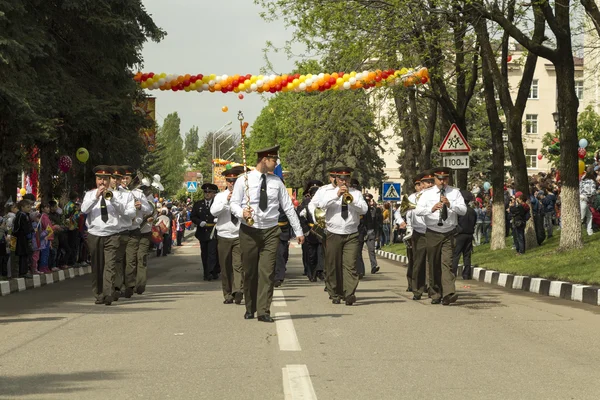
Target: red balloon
(424, 80)
(151, 75)
(540, 156)
(295, 203)
(554, 140)
(241, 96)
(581, 153)
(65, 163)
(332, 81)
(144, 77)
(509, 58)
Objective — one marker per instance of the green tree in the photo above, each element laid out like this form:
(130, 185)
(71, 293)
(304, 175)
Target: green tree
(169, 162)
(191, 140)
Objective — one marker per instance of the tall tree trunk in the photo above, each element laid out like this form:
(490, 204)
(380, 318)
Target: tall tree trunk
(571, 233)
(9, 181)
(516, 150)
(409, 162)
(425, 162)
(497, 173)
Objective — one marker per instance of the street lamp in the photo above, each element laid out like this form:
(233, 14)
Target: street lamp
(223, 142)
(226, 151)
(555, 116)
(227, 155)
(215, 136)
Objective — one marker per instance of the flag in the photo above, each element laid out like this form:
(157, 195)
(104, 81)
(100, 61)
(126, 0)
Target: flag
(278, 170)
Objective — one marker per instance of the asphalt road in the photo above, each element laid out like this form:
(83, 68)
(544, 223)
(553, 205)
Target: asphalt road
(178, 341)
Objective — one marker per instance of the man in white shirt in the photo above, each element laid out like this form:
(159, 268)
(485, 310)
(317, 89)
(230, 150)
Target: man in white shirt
(410, 251)
(257, 197)
(342, 216)
(440, 207)
(228, 240)
(141, 275)
(142, 208)
(103, 209)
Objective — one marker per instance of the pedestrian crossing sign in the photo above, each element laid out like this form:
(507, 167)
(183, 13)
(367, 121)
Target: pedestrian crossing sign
(391, 191)
(192, 187)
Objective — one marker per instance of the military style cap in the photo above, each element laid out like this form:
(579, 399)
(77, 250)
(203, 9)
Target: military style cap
(103, 170)
(427, 175)
(128, 170)
(341, 170)
(269, 152)
(210, 187)
(234, 172)
(418, 178)
(312, 183)
(118, 171)
(441, 172)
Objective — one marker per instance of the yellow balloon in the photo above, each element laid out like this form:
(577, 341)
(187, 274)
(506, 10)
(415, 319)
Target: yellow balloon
(23, 192)
(242, 86)
(353, 74)
(82, 155)
(581, 167)
(213, 77)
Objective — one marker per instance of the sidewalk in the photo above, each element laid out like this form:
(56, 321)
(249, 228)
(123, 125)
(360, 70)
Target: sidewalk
(22, 284)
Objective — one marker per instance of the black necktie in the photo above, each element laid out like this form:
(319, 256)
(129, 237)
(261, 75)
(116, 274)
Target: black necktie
(234, 219)
(345, 211)
(103, 210)
(262, 204)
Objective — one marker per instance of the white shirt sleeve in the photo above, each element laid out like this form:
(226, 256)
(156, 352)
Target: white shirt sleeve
(237, 198)
(220, 204)
(89, 201)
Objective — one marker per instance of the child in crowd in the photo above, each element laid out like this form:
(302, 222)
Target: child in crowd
(36, 241)
(22, 230)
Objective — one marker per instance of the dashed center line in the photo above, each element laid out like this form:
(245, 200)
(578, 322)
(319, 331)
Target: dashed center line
(278, 299)
(297, 384)
(286, 334)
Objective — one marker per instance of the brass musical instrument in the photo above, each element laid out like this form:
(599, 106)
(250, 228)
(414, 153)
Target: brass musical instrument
(406, 205)
(319, 226)
(243, 127)
(108, 195)
(347, 198)
(444, 210)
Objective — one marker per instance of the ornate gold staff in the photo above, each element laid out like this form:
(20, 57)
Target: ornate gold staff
(243, 127)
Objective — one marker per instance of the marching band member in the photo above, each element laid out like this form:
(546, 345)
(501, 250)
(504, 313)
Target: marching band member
(343, 206)
(312, 248)
(104, 209)
(205, 222)
(266, 194)
(145, 238)
(143, 208)
(228, 242)
(440, 206)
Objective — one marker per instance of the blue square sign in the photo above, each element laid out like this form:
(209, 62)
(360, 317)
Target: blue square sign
(192, 187)
(391, 191)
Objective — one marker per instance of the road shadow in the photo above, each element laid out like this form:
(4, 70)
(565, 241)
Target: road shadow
(310, 316)
(38, 384)
(38, 319)
(478, 301)
(366, 301)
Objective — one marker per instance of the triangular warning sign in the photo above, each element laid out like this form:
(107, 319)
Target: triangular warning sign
(454, 141)
(392, 193)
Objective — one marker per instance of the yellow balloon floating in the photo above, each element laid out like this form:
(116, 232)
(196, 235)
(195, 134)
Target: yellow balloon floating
(581, 167)
(283, 83)
(224, 108)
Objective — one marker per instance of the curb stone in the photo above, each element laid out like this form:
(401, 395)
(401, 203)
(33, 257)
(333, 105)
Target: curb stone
(22, 284)
(565, 290)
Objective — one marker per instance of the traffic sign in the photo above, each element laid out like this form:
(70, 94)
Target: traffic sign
(457, 162)
(391, 191)
(192, 187)
(454, 141)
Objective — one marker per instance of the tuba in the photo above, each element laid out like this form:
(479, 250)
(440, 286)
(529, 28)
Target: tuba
(406, 205)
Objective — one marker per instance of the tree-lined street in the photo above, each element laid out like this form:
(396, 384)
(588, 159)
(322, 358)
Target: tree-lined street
(179, 341)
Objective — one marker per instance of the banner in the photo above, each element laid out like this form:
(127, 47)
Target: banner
(148, 108)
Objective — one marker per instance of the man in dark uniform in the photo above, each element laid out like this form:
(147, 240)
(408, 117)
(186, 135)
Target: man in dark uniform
(312, 248)
(283, 248)
(256, 200)
(366, 234)
(464, 237)
(205, 223)
(343, 206)
(440, 207)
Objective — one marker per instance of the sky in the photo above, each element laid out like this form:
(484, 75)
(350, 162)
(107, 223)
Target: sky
(220, 37)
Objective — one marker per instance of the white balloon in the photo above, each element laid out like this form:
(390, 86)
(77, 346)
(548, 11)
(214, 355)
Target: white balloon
(205, 86)
(200, 88)
(156, 85)
(365, 73)
(259, 83)
(302, 87)
(161, 81)
(272, 77)
(346, 85)
(224, 77)
(321, 75)
(211, 83)
(169, 78)
(218, 79)
(352, 80)
(248, 90)
(253, 87)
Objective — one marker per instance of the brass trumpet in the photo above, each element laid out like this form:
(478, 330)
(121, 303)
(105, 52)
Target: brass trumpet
(347, 198)
(406, 205)
(108, 195)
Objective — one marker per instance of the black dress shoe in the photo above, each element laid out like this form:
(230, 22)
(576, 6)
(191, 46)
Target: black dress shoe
(360, 276)
(228, 301)
(108, 300)
(116, 295)
(238, 297)
(248, 315)
(277, 283)
(99, 301)
(409, 289)
(350, 300)
(336, 301)
(208, 278)
(449, 299)
(375, 270)
(265, 318)
(140, 289)
(436, 301)
(417, 297)
(320, 275)
(128, 293)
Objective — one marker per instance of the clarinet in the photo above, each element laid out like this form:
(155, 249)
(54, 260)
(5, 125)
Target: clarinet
(444, 210)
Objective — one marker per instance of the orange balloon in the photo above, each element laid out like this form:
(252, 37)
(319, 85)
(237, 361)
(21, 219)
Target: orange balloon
(315, 86)
(335, 75)
(224, 108)
(211, 89)
(217, 86)
(266, 87)
(187, 77)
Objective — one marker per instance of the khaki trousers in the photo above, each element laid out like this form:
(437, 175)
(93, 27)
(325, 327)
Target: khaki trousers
(232, 273)
(340, 263)
(103, 255)
(419, 271)
(440, 250)
(131, 257)
(259, 252)
(120, 272)
(141, 273)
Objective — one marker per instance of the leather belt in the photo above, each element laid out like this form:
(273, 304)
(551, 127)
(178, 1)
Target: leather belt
(282, 223)
(311, 225)
(210, 225)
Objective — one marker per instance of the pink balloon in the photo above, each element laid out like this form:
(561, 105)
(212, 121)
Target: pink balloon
(581, 153)
(540, 156)
(65, 163)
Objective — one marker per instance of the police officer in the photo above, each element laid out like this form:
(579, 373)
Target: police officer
(257, 198)
(283, 248)
(205, 223)
(228, 240)
(343, 206)
(440, 207)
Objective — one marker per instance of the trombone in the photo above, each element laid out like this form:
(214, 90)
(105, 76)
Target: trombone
(406, 205)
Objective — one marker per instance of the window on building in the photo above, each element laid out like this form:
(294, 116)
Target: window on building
(531, 124)
(533, 91)
(531, 158)
(579, 89)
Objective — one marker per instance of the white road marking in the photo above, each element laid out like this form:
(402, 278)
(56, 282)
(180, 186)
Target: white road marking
(286, 334)
(297, 384)
(278, 299)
